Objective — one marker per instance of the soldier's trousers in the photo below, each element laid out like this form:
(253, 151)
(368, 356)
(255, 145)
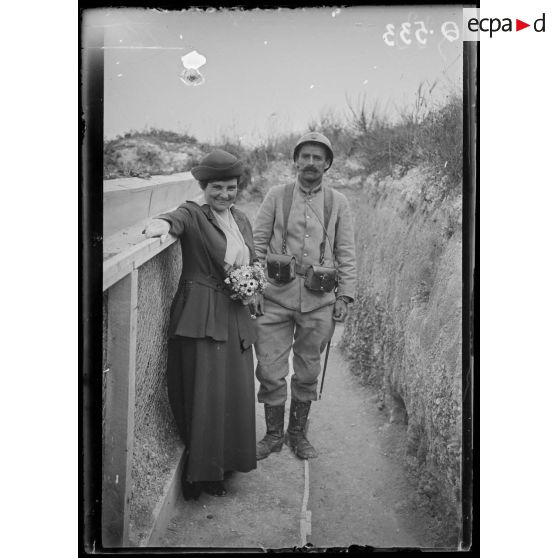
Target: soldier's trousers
(279, 330)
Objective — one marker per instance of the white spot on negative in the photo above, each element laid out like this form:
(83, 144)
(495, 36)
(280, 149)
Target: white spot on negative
(193, 60)
(335, 12)
(181, 36)
(117, 62)
(191, 76)
(312, 86)
(119, 75)
(265, 42)
(120, 41)
(116, 480)
(365, 82)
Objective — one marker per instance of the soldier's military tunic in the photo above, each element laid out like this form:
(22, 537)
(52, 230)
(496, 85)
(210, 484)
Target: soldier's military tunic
(296, 317)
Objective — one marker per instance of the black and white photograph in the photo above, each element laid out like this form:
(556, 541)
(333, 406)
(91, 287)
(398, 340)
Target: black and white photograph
(287, 240)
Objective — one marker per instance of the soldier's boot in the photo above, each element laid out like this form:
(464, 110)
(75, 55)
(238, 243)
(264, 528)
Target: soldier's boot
(273, 439)
(296, 431)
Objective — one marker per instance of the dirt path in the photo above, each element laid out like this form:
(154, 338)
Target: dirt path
(259, 511)
(359, 493)
(356, 490)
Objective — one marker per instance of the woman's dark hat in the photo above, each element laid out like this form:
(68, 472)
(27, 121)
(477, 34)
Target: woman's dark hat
(218, 165)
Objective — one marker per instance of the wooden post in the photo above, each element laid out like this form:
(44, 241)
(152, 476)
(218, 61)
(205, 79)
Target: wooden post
(119, 411)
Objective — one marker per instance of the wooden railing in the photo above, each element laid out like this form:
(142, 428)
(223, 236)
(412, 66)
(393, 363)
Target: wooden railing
(125, 251)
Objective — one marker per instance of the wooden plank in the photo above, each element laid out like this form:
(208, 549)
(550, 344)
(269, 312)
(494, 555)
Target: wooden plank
(130, 183)
(166, 506)
(114, 269)
(172, 195)
(119, 411)
(124, 207)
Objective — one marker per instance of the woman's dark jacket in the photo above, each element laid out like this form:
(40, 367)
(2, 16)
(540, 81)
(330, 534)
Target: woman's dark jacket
(202, 306)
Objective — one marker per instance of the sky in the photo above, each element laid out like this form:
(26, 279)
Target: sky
(271, 71)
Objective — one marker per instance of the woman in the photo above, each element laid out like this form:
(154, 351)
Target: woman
(210, 372)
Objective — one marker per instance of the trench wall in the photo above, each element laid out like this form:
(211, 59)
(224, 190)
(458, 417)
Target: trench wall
(141, 446)
(156, 442)
(156, 445)
(404, 332)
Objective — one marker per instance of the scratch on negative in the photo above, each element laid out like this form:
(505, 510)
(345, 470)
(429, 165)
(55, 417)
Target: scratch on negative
(305, 527)
(140, 48)
(149, 209)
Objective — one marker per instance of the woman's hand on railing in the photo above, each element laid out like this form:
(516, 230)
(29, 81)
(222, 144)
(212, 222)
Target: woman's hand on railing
(157, 227)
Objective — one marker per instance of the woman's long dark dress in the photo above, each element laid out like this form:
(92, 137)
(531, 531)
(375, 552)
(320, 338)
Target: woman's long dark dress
(210, 372)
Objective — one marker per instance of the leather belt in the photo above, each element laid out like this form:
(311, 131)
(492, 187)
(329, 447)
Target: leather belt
(211, 282)
(301, 269)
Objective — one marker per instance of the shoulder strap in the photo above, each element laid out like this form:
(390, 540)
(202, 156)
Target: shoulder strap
(328, 204)
(328, 207)
(287, 203)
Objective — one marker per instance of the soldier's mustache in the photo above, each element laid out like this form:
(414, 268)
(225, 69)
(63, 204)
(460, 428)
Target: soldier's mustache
(310, 169)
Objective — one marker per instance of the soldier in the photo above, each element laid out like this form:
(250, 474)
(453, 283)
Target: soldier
(304, 231)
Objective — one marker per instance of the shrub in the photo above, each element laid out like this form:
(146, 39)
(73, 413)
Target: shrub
(441, 139)
(150, 158)
(425, 133)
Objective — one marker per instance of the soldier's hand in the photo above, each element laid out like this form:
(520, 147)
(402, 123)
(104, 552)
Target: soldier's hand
(157, 227)
(339, 310)
(259, 305)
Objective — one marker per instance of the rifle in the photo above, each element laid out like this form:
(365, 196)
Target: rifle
(325, 364)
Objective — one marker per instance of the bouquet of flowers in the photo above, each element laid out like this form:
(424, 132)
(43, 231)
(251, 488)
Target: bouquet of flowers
(246, 281)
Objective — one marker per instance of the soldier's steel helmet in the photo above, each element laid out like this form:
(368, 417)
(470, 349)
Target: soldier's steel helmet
(314, 137)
